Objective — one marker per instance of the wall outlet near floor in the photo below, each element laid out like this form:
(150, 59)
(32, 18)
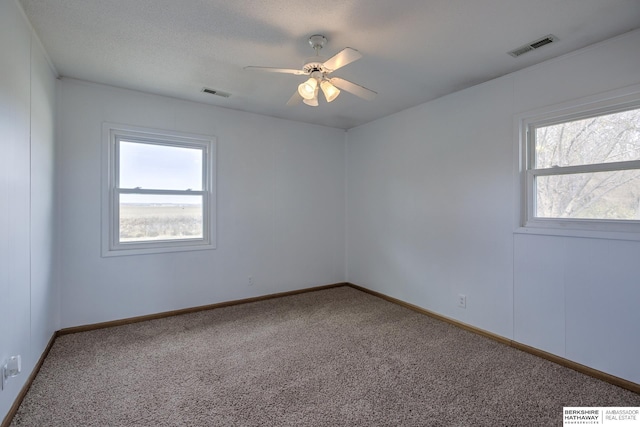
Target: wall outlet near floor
(11, 368)
(462, 301)
(250, 281)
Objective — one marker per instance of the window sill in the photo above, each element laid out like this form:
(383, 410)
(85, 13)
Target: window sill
(578, 233)
(185, 247)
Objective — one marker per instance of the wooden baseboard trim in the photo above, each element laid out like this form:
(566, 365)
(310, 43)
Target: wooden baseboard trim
(130, 320)
(437, 316)
(620, 382)
(27, 385)
(612, 379)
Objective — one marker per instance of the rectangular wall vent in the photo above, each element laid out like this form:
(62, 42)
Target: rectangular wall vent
(216, 92)
(533, 45)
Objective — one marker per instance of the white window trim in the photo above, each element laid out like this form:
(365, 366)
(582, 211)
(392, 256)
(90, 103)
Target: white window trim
(608, 102)
(110, 245)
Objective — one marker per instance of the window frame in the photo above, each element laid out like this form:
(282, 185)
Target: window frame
(112, 134)
(602, 104)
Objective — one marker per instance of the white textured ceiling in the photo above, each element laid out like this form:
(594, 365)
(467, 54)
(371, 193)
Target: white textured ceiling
(414, 50)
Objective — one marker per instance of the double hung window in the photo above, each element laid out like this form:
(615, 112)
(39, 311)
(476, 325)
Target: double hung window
(158, 191)
(582, 167)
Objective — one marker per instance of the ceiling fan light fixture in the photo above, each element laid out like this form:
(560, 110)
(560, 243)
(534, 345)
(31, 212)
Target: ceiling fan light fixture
(330, 91)
(313, 102)
(307, 90)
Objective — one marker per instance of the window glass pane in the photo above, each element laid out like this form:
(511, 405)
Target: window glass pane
(603, 139)
(160, 167)
(597, 195)
(145, 217)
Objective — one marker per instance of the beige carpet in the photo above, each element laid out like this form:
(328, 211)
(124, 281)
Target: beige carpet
(336, 357)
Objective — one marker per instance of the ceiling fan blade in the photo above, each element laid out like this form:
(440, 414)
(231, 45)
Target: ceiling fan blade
(295, 99)
(277, 70)
(342, 58)
(353, 88)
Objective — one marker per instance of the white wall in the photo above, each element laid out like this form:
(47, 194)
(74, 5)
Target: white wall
(28, 296)
(45, 298)
(432, 209)
(280, 197)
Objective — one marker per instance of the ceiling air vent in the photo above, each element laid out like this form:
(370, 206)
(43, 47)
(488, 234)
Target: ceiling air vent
(216, 92)
(533, 45)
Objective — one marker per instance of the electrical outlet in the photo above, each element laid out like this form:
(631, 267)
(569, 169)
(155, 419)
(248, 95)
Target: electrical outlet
(250, 281)
(11, 368)
(462, 301)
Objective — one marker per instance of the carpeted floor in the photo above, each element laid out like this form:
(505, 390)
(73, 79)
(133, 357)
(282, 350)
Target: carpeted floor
(337, 357)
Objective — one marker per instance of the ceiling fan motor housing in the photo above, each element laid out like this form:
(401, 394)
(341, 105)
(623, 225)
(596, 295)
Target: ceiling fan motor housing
(314, 64)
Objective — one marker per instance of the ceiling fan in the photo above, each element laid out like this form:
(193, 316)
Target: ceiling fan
(318, 70)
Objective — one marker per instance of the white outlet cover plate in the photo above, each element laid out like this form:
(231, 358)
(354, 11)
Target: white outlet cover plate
(462, 301)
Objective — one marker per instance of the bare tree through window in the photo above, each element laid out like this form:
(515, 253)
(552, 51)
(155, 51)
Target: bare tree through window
(605, 194)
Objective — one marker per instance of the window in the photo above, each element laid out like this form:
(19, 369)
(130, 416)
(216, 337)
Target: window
(158, 191)
(581, 167)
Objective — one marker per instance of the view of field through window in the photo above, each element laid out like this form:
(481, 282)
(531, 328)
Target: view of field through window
(589, 195)
(160, 220)
(157, 205)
